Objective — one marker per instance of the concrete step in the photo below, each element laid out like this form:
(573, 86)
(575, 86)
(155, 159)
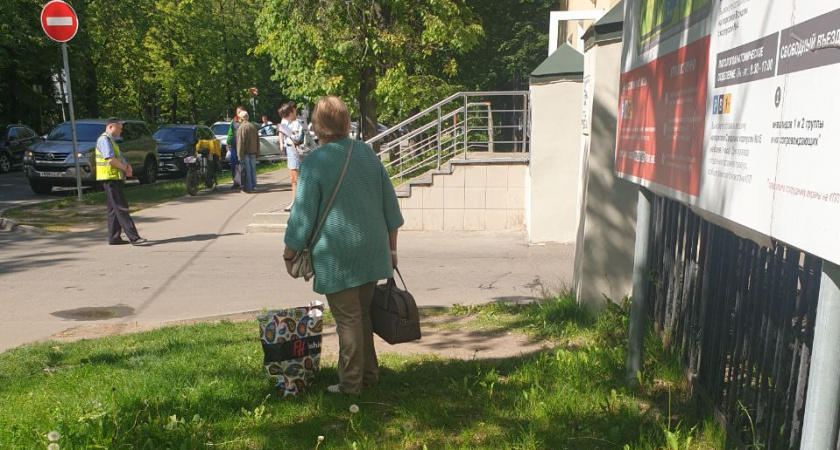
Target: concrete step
(271, 218)
(258, 228)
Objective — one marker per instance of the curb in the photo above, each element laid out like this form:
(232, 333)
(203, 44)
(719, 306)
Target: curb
(10, 226)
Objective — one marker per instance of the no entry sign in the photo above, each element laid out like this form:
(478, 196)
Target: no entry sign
(59, 21)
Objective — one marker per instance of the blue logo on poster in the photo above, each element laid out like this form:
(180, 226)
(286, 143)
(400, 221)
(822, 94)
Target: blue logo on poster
(715, 105)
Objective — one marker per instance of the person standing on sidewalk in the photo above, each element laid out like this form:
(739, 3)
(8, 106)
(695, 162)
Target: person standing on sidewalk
(248, 148)
(292, 131)
(235, 170)
(357, 245)
(111, 170)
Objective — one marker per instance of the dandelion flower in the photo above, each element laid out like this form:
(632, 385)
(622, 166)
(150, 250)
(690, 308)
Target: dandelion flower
(354, 409)
(408, 426)
(320, 438)
(53, 446)
(53, 436)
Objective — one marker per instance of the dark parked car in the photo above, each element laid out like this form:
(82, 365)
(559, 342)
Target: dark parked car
(52, 163)
(14, 139)
(177, 141)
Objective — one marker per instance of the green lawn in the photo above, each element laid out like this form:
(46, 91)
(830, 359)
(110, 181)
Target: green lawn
(203, 386)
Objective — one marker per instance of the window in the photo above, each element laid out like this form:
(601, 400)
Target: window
(221, 128)
(14, 134)
(85, 132)
(174, 135)
(268, 130)
(130, 132)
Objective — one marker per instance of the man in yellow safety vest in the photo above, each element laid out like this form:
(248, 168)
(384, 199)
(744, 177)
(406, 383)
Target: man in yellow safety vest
(111, 170)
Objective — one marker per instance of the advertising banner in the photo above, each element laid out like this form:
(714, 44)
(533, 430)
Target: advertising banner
(729, 105)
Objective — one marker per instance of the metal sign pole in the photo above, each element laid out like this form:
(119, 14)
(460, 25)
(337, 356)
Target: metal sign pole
(72, 120)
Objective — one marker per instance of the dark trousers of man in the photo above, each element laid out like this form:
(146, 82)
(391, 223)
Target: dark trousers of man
(118, 218)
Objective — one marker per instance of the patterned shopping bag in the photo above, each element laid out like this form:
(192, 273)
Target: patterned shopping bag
(291, 342)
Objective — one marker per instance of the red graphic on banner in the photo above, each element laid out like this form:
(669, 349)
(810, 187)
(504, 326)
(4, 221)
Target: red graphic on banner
(661, 122)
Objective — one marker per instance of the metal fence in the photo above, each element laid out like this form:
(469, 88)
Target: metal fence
(741, 318)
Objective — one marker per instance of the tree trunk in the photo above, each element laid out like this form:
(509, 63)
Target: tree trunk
(92, 92)
(225, 75)
(193, 109)
(173, 116)
(367, 106)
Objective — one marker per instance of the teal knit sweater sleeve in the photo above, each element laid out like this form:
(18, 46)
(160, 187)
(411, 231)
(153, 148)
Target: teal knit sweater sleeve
(390, 205)
(302, 221)
(353, 247)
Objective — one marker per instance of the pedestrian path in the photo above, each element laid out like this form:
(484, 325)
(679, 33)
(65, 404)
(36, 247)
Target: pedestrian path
(201, 263)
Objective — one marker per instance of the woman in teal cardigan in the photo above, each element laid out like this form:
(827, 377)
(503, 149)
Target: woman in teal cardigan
(358, 242)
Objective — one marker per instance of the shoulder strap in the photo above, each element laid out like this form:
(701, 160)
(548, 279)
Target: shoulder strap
(315, 235)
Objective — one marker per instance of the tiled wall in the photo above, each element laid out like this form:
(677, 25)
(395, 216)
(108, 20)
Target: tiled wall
(474, 197)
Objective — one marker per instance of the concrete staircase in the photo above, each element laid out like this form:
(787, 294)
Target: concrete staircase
(485, 191)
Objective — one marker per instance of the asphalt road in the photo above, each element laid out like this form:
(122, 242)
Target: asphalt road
(200, 263)
(14, 191)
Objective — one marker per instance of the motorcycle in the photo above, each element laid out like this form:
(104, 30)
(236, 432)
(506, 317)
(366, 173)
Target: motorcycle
(201, 167)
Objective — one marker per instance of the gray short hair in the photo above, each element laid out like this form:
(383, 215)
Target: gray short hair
(331, 119)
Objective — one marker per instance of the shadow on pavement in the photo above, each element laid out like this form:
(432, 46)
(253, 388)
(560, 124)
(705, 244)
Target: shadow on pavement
(193, 238)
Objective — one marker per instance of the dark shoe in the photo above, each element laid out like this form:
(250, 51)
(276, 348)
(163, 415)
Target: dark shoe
(140, 241)
(236, 186)
(118, 242)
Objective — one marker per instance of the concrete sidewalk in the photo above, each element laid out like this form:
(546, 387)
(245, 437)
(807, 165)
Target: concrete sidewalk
(201, 264)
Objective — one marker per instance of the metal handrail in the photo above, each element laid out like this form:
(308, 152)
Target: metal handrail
(443, 102)
(461, 122)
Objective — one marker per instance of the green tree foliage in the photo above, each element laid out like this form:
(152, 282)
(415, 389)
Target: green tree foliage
(108, 42)
(194, 60)
(388, 55)
(160, 60)
(516, 43)
(27, 61)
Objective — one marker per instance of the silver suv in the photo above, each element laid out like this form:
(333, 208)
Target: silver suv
(51, 163)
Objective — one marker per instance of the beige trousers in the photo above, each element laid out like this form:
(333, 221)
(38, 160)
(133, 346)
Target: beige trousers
(357, 364)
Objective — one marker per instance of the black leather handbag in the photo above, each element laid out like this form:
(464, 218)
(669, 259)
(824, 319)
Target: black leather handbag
(394, 313)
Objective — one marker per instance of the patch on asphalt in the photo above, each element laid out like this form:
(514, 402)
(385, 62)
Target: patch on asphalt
(95, 313)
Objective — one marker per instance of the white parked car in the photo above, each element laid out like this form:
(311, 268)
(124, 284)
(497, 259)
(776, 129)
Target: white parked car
(270, 134)
(220, 130)
(354, 130)
(269, 151)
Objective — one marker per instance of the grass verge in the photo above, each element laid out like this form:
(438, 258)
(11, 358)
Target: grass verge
(68, 214)
(202, 386)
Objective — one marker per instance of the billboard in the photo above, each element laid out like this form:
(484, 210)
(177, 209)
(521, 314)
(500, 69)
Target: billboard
(729, 105)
